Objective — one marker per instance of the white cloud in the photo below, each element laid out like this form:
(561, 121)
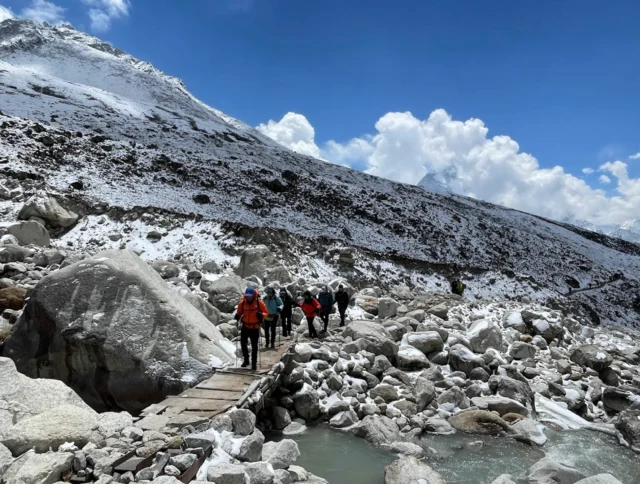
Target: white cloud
(5, 13)
(635, 157)
(405, 148)
(293, 131)
(43, 11)
(588, 171)
(605, 179)
(103, 12)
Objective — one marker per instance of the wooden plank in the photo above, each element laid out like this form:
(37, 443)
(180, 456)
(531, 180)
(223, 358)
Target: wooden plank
(212, 394)
(248, 393)
(226, 386)
(196, 403)
(206, 413)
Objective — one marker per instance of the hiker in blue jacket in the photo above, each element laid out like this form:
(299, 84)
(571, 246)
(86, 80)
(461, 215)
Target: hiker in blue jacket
(326, 306)
(274, 308)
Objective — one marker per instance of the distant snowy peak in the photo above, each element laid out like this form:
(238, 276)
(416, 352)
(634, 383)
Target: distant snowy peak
(439, 182)
(77, 69)
(16, 34)
(629, 231)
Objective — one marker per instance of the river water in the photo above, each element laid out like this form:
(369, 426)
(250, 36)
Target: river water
(344, 459)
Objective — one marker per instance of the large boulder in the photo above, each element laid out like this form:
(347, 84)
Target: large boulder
(628, 424)
(306, 401)
(410, 358)
(166, 269)
(208, 310)
(224, 473)
(52, 428)
(112, 329)
(22, 397)
(30, 233)
(32, 468)
(387, 308)
(378, 340)
(521, 351)
(427, 341)
(478, 422)
(424, 391)
(225, 292)
(484, 335)
(43, 206)
(260, 261)
(281, 454)
(599, 479)
(12, 297)
(5, 459)
(592, 357)
(14, 253)
(409, 470)
(377, 430)
(463, 359)
(549, 471)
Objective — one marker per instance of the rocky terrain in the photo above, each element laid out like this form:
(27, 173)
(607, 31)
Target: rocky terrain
(133, 217)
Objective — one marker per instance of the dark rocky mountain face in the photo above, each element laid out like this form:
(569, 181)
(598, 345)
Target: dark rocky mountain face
(110, 135)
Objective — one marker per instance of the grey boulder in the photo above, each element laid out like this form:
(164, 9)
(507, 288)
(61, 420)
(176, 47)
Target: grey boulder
(47, 208)
(280, 454)
(53, 428)
(30, 233)
(549, 471)
(592, 357)
(114, 331)
(409, 470)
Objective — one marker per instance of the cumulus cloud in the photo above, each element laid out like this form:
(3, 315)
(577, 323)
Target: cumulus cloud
(5, 13)
(103, 12)
(604, 179)
(635, 157)
(588, 171)
(405, 149)
(43, 11)
(293, 131)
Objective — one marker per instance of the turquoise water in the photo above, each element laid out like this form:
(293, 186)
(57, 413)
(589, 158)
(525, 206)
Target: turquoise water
(344, 459)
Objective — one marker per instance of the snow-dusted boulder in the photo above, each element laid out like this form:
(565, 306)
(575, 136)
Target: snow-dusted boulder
(484, 335)
(259, 261)
(115, 332)
(409, 470)
(387, 308)
(224, 292)
(47, 208)
(427, 342)
(592, 357)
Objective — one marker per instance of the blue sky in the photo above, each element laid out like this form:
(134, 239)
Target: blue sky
(562, 78)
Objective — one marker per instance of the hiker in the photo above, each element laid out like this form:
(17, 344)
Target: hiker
(457, 287)
(287, 312)
(342, 298)
(251, 311)
(310, 307)
(274, 307)
(326, 303)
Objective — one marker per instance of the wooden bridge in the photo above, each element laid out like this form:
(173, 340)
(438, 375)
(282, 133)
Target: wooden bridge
(228, 387)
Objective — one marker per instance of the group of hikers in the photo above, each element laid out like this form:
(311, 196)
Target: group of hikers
(254, 312)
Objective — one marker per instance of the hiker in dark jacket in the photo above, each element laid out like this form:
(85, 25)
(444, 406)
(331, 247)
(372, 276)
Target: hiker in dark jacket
(326, 306)
(342, 299)
(457, 287)
(274, 306)
(287, 312)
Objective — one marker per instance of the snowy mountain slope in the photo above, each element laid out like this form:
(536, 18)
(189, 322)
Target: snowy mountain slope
(75, 109)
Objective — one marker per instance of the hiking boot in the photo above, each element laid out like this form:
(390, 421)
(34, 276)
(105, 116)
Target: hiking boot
(244, 364)
(254, 367)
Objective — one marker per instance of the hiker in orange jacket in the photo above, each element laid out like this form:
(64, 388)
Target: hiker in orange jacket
(251, 311)
(310, 307)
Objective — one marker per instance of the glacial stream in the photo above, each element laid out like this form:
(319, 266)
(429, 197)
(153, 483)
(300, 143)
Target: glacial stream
(344, 459)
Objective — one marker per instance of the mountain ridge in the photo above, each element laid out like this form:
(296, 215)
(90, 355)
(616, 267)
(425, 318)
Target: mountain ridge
(134, 140)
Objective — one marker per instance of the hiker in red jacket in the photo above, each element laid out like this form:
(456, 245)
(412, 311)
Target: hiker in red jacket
(311, 307)
(252, 312)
